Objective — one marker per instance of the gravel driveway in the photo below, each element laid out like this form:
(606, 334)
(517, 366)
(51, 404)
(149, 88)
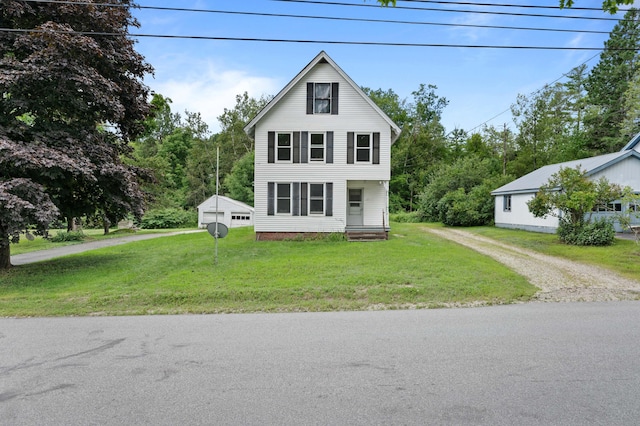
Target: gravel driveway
(559, 280)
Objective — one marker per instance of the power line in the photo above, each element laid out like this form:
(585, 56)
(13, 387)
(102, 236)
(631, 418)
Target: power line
(321, 2)
(383, 21)
(523, 6)
(532, 93)
(334, 42)
(483, 12)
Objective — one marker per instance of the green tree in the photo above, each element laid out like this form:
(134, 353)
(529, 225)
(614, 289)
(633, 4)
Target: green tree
(239, 183)
(460, 193)
(420, 147)
(571, 196)
(608, 82)
(70, 104)
(234, 143)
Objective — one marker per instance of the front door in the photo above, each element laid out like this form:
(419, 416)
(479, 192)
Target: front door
(355, 207)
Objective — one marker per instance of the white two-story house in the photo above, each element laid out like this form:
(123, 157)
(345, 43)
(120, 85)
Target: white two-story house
(322, 161)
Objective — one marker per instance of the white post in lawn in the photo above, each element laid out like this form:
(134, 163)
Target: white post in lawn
(216, 233)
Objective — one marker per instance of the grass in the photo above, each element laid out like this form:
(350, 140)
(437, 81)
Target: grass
(622, 257)
(39, 243)
(177, 274)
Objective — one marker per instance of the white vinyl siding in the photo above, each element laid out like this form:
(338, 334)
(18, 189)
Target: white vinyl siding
(355, 115)
(519, 216)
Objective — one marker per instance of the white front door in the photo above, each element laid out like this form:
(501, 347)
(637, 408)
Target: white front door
(355, 207)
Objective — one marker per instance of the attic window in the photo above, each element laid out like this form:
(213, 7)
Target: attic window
(322, 98)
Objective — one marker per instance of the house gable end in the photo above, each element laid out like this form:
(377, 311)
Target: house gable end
(321, 59)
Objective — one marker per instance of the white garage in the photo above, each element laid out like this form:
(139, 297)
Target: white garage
(230, 212)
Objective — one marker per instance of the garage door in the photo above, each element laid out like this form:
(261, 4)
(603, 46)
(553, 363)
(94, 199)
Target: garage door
(210, 217)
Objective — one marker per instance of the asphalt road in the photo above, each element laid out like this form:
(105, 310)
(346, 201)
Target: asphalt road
(532, 364)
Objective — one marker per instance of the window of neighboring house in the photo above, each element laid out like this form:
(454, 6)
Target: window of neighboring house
(283, 198)
(634, 207)
(506, 203)
(363, 148)
(322, 98)
(611, 207)
(316, 147)
(316, 198)
(284, 147)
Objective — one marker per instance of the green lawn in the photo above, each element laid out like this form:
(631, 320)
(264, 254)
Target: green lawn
(177, 274)
(623, 256)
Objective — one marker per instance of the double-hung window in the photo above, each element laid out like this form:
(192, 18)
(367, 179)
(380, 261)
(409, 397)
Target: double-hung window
(316, 198)
(284, 147)
(363, 148)
(316, 147)
(322, 98)
(506, 203)
(283, 198)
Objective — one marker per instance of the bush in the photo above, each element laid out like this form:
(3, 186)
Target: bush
(596, 233)
(61, 237)
(405, 217)
(168, 218)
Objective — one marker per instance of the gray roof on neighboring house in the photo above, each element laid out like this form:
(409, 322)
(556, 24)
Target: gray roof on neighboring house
(534, 180)
(632, 143)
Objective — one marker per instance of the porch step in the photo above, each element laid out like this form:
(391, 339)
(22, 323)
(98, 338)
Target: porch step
(367, 236)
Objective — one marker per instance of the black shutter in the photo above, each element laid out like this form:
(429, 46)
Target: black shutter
(270, 198)
(271, 147)
(309, 98)
(296, 147)
(303, 198)
(334, 98)
(376, 148)
(329, 154)
(350, 147)
(329, 199)
(304, 147)
(295, 208)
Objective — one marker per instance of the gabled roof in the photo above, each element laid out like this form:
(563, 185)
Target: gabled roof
(221, 198)
(633, 143)
(322, 57)
(534, 180)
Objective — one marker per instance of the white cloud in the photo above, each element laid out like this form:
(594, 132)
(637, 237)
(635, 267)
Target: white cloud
(206, 89)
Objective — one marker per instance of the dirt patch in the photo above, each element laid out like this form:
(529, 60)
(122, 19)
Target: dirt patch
(559, 280)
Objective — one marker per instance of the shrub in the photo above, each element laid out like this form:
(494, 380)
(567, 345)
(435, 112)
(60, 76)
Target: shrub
(168, 218)
(405, 217)
(61, 237)
(596, 233)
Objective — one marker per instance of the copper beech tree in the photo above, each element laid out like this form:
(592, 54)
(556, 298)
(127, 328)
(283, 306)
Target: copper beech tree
(71, 100)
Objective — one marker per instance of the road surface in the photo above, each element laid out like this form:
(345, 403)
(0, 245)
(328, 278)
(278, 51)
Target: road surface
(530, 364)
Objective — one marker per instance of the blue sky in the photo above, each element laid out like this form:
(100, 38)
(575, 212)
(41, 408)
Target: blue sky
(205, 75)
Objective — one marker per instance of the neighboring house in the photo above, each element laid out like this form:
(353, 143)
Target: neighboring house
(511, 210)
(322, 162)
(230, 212)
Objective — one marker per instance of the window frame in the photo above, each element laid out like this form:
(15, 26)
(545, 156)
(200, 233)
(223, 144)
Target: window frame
(312, 147)
(317, 98)
(278, 198)
(278, 148)
(321, 198)
(507, 203)
(369, 149)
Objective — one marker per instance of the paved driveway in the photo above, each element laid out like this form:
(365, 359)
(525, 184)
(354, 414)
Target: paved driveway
(38, 256)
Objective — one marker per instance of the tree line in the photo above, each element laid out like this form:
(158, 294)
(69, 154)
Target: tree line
(82, 136)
